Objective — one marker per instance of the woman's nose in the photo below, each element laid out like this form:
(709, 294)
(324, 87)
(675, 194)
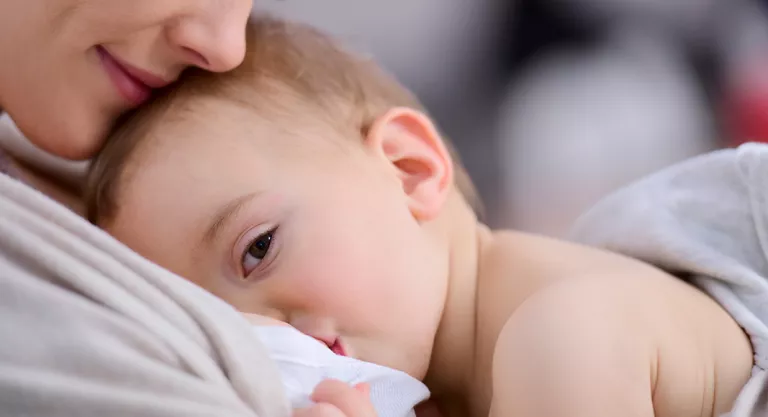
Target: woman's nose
(214, 38)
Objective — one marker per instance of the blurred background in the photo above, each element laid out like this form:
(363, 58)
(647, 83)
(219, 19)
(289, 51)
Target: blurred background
(555, 103)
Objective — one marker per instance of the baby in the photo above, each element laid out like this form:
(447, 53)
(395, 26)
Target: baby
(309, 187)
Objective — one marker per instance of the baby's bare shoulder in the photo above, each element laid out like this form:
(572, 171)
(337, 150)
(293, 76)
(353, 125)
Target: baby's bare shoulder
(637, 343)
(567, 352)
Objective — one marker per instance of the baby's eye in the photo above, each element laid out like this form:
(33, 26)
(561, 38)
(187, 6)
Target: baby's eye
(256, 251)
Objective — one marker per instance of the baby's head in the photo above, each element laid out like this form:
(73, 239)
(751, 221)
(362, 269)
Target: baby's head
(305, 186)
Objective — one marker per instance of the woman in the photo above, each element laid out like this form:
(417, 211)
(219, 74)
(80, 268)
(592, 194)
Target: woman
(86, 326)
(68, 68)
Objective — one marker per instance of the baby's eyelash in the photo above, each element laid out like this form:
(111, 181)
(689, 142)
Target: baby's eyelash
(257, 251)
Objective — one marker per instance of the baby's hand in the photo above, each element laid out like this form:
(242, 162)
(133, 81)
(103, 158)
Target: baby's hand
(336, 399)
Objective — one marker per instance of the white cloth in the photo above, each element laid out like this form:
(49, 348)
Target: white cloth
(707, 219)
(304, 362)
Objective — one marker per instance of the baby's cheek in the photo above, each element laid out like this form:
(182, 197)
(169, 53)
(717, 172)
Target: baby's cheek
(336, 285)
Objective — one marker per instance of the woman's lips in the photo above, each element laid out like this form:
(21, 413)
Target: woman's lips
(133, 84)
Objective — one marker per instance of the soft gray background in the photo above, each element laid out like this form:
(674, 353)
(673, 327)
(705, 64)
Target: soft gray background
(545, 138)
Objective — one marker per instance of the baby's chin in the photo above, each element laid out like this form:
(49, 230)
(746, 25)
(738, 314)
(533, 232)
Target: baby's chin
(403, 363)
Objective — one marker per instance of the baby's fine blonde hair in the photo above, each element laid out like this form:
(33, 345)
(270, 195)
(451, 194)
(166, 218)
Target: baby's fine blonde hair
(289, 69)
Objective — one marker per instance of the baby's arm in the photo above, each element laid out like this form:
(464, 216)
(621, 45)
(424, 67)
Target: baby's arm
(607, 347)
(560, 356)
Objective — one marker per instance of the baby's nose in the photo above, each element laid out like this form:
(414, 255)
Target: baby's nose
(317, 327)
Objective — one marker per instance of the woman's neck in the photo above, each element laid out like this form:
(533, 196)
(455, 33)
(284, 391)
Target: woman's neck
(55, 190)
(60, 192)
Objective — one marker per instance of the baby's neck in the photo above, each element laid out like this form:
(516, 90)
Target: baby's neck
(451, 371)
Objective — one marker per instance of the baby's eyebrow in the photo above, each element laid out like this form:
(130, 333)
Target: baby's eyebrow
(225, 215)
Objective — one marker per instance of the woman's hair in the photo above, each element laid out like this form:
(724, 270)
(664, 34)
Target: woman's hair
(290, 71)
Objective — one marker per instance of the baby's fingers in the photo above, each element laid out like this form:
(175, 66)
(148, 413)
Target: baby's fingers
(319, 410)
(351, 401)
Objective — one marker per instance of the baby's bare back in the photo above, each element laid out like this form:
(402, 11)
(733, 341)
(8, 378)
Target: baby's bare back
(566, 330)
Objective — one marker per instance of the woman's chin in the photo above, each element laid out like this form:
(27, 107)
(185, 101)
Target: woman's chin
(69, 139)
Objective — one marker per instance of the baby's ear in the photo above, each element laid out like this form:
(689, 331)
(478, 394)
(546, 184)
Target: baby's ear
(408, 140)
